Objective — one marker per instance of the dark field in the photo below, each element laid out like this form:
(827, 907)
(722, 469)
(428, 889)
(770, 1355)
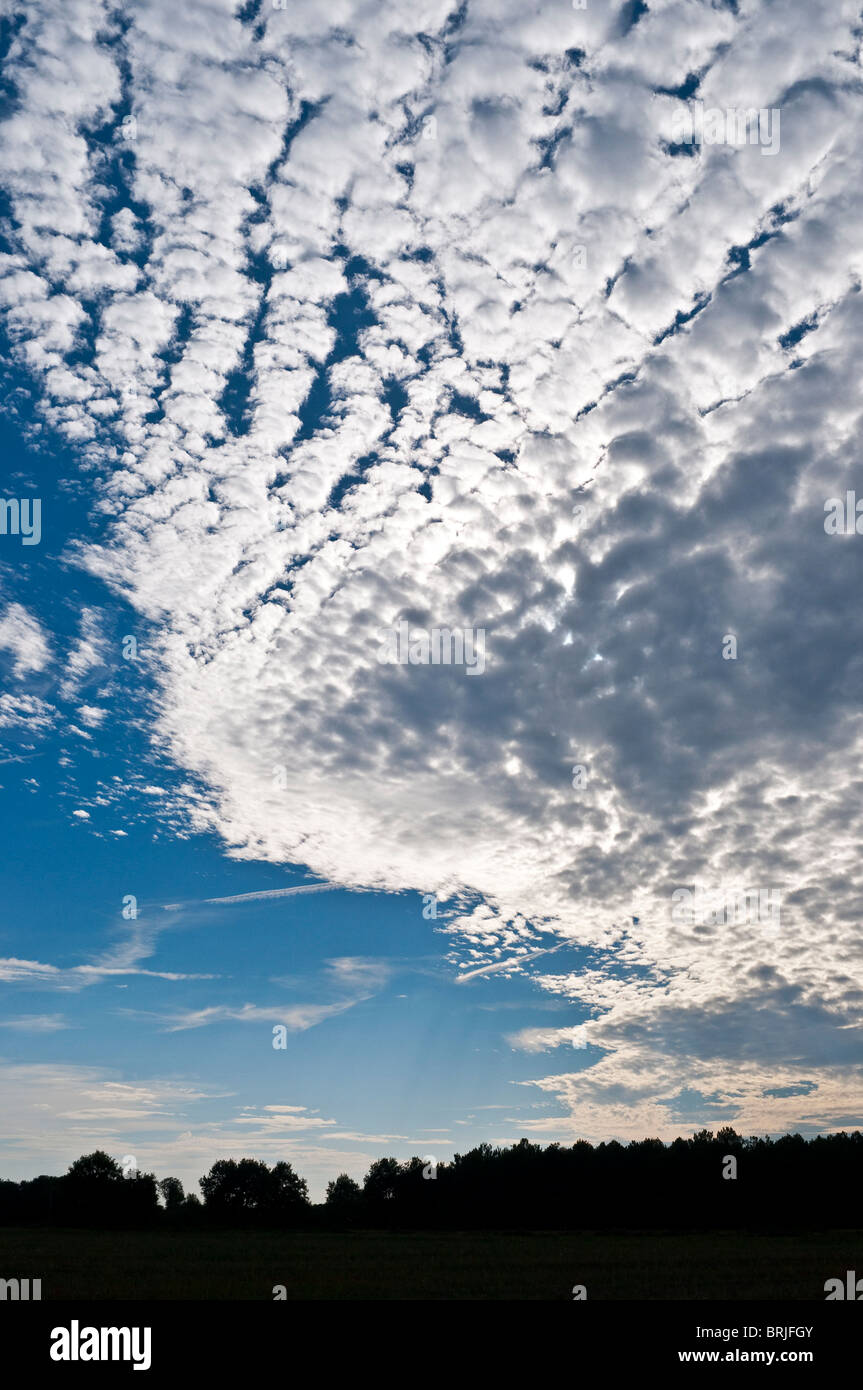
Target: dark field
(427, 1265)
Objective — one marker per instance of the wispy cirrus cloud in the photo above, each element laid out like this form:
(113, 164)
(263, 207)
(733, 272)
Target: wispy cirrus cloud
(355, 977)
(295, 1017)
(261, 896)
(34, 972)
(36, 1023)
(512, 963)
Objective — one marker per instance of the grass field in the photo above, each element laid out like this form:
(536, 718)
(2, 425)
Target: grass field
(427, 1265)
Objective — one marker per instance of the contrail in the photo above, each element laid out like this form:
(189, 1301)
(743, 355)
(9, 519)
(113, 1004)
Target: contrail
(252, 897)
(508, 964)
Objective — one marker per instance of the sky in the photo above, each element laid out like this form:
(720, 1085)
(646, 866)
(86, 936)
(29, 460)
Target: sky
(541, 323)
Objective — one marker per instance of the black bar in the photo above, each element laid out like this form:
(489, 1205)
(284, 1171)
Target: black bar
(243, 1339)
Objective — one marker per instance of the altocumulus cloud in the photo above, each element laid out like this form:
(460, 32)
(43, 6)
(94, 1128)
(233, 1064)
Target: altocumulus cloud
(367, 314)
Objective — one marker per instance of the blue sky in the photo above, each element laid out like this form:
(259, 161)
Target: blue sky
(321, 327)
(416, 1061)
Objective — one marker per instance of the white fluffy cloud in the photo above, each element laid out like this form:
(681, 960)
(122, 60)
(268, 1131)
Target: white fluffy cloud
(382, 296)
(22, 636)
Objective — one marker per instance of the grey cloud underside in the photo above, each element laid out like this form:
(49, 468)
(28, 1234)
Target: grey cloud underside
(342, 362)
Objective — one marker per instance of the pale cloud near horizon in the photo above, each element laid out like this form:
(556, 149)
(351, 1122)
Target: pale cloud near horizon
(561, 312)
(60, 1111)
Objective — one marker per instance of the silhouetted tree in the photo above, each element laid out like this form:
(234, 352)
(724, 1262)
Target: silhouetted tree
(171, 1190)
(236, 1187)
(246, 1189)
(95, 1192)
(289, 1189)
(343, 1192)
(381, 1180)
(344, 1205)
(788, 1183)
(96, 1167)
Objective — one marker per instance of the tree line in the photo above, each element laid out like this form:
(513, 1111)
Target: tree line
(707, 1181)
